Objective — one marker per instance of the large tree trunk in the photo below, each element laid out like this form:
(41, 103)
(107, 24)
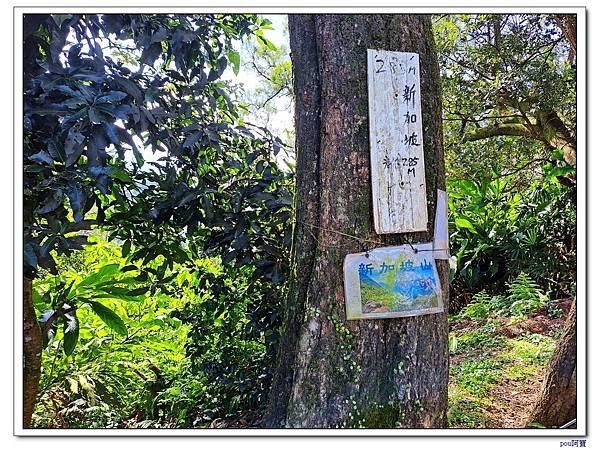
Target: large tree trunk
(32, 354)
(332, 372)
(557, 402)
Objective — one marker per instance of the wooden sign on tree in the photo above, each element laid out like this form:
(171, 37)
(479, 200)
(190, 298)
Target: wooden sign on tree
(396, 138)
(391, 282)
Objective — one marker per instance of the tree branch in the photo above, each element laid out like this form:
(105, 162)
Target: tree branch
(461, 118)
(508, 129)
(259, 70)
(518, 169)
(273, 96)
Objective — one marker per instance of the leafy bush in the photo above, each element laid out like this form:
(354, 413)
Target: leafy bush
(482, 339)
(230, 345)
(497, 232)
(214, 187)
(105, 366)
(182, 349)
(530, 349)
(479, 308)
(463, 413)
(524, 296)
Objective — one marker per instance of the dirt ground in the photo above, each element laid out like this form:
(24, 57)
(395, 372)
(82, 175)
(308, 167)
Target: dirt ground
(512, 400)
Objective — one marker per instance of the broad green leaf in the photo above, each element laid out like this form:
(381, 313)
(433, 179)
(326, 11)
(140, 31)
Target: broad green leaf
(464, 223)
(113, 96)
(42, 157)
(151, 53)
(49, 334)
(29, 254)
(234, 58)
(77, 199)
(51, 202)
(127, 298)
(95, 116)
(125, 251)
(73, 146)
(114, 290)
(103, 273)
(109, 317)
(138, 291)
(131, 88)
(119, 174)
(264, 41)
(121, 281)
(468, 186)
(71, 332)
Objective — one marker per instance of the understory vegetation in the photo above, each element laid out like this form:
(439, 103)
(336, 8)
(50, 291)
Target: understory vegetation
(499, 349)
(181, 352)
(160, 263)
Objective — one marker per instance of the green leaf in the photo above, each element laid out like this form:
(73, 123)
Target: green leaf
(264, 41)
(113, 96)
(71, 332)
(123, 297)
(125, 251)
(234, 58)
(77, 199)
(151, 53)
(468, 186)
(109, 317)
(131, 88)
(51, 202)
(73, 146)
(138, 291)
(103, 273)
(114, 290)
(119, 174)
(192, 139)
(464, 223)
(96, 149)
(42, 157)
(30, 256)
(95, 116)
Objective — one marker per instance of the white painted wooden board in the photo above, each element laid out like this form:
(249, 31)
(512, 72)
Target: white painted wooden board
(396, 140)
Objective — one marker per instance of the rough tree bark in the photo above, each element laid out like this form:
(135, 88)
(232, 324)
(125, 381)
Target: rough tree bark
(557, 402)
(32, 354)
(332, 372)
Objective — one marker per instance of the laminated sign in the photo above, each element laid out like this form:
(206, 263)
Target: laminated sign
(396, 141)
(392, 282)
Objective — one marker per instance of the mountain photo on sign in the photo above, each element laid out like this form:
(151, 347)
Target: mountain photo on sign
(396, 286)
(397, 281)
